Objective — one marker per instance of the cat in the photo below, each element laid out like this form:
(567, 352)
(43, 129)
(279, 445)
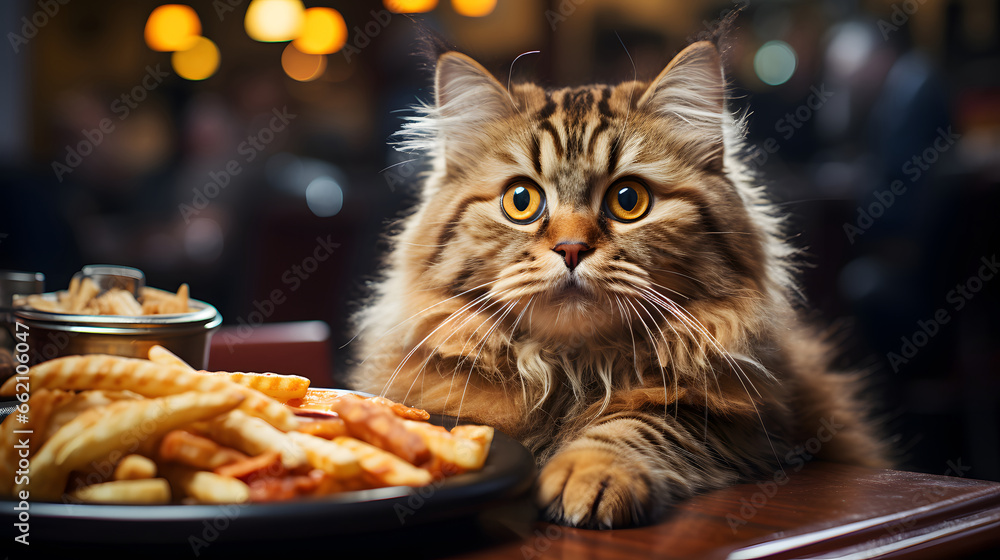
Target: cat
(596, 272)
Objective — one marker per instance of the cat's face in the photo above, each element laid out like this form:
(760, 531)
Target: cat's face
(589, 210)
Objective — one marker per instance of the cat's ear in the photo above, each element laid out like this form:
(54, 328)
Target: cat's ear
(467, 96)
(691, 90)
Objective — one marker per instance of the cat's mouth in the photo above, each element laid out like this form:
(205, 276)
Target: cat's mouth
(572, 289)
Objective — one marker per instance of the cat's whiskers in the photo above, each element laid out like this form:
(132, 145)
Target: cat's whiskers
(472, 313)
(398, 164)
(628, 320)
(482, 345)
(451, 316)
(655, 354)
(464, 356)
(740, 374)
(417, 314)
(652, 343)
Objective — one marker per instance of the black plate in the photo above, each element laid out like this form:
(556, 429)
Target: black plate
(508, 473)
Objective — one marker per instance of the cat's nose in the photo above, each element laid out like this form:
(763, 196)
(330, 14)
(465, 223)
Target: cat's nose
(572, 252)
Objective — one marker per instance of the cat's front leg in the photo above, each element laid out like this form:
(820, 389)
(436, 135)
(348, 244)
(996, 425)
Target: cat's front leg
(593, 485)
(626, 468)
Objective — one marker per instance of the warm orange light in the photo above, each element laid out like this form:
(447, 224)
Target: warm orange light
(474, 8)
(409, 6)
(301, 66)
(270, 21)
(323, 32)
(172, 27)
(198, 62)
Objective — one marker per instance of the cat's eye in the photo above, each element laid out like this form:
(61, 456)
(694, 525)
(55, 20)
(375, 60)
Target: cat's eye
(627, 200)
(523, 202)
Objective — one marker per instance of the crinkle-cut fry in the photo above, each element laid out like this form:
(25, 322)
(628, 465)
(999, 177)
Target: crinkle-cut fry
(161, 355)
(331, 457)
(117, 301)
(451, 452)
(85, 400)
(36, 301)
(254, 436)
(155, 294)
(326, 428)
(42, 405)
(135, 467)
(276, 386)
(183, 447)
(289, 486)
(66, 298)
(265, 464)
(87, 291)
(401, 410)
(95, 434)
(178, 303)
(383, 467)
(378, 425)
(99, 371)
(204, 486)
(142, 491)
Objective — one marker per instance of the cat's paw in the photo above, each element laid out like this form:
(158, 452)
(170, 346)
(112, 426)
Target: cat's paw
(593, 488)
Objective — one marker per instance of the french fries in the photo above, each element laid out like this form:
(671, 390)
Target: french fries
(84, 297)
(98, 432)
(98, 371)
(135, 467)
(279, 387)
(143, 491)
(117, 430)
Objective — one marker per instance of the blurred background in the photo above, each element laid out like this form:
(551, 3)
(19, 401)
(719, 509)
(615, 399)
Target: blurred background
(244, 147)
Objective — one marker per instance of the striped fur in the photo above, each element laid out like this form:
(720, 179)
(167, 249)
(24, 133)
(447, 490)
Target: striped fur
(671, 360)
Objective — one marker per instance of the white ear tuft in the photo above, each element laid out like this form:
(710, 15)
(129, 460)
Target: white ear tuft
(691, 89)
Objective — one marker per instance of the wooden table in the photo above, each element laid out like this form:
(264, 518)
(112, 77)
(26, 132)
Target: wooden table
(823, 511)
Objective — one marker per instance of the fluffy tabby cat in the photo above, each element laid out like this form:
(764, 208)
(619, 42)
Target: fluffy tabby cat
(594, 271)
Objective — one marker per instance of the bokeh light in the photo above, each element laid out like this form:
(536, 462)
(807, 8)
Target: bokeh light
(409, 6)
(198, 62)
(302, 66)
(172, 27)
(324, 197)
(774, 62)
(272, 21)
(474, 8)
(323, 32)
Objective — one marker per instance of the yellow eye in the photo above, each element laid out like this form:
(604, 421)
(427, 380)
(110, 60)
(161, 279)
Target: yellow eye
(523, 202)
(627, 200)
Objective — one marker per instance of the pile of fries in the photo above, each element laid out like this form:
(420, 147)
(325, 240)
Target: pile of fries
(84, 297)
(107, 429)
